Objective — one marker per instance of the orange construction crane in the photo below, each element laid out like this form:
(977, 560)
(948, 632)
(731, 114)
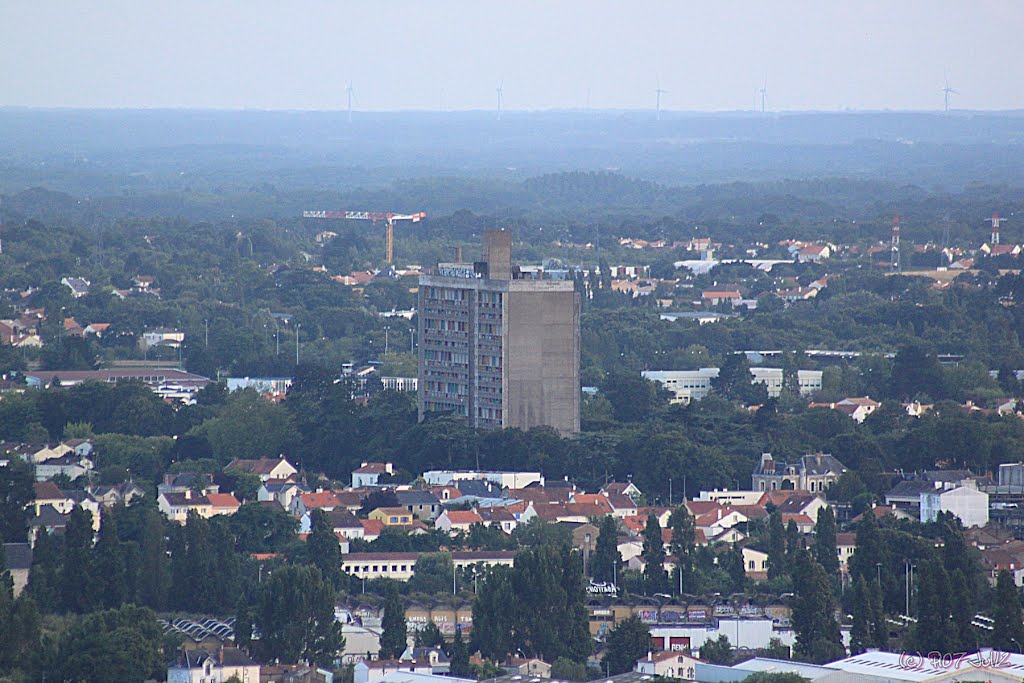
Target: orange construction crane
(388, 218)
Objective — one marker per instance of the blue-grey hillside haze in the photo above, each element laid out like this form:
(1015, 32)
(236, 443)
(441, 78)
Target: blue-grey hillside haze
(452, 55)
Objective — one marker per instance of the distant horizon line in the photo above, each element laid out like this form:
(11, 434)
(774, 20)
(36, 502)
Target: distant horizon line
(552, 110)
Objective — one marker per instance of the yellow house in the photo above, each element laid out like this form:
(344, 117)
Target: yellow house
(392, 516)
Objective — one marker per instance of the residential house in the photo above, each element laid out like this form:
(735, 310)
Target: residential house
(318, 500)
(498, 516)
(70, 465)
(755, 563)
(437, 658)
(265, 468)
(804, 524)
(46, 520)
(453, 521)
(422, 503)
(222, 504)
(668, 664)
(217, 666)
(18, 558)
(966, 503)
(369, 474)
(176, 506)
(529, 668)
(813, 253)
(391, 516)
(846, 545)
(372, 529)
(281, 491)
(798, 503)
(856, 408)
(713, 297)
(187, 481)
(49, 494)
(1007, 556)
(116, 494)
(79, 286)
(163, 336)
(622, 488)
(46, 452)
(814, 472)
(342, 522)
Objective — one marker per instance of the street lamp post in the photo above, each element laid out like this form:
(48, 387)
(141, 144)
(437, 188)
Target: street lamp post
(298, 327)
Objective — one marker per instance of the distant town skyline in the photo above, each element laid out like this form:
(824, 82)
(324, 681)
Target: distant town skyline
(449, 55)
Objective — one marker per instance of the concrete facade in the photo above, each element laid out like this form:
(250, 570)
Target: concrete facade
(499, 348)
(968, 504)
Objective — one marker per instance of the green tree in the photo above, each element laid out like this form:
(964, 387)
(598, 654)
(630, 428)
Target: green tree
(16, 497)
(606, 561)
(295, 617)
(77, 589)
(629, 641)
(633, 397)
(794, 544)
(935, 628)
(683, 542)
(718, 651)
(825, 541)
(775, 677)
(494, 611)
(323, 547)
(44, 577)
(814, 613)
(860, 630)
(459, 655)
(116, 645)
(429, 636)
(154, 570)
(394, 633)
(916, 372)
(263, 529)
(776, 545)
(1007, 614)
(433, 574)
(655, 578)
(736, 383)
(110, 564)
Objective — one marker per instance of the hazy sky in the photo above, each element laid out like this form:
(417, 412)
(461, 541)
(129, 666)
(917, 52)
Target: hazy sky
(429, 54)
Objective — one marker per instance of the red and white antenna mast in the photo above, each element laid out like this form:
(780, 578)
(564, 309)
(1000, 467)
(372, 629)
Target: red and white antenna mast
(995, 221)
(895, 242)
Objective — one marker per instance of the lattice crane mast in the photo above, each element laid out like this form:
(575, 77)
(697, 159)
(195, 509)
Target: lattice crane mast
(388, 217)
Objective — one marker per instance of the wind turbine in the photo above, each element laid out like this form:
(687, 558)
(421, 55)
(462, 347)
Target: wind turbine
(764, 93)
(500, 90)
(946, 92)
(348, 89)
(658, 92)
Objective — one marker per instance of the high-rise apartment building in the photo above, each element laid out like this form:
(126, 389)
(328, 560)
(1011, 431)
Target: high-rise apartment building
(500, 345)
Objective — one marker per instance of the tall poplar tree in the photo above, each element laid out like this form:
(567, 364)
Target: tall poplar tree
(77, 589)
(825, 541)
(394, 635)
(776, 545)
(654, 557)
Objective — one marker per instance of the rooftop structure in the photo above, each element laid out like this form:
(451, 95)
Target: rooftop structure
(499, 345)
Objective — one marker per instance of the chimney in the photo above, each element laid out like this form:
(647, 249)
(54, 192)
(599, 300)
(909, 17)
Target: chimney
(389, 468)
(458, 254)
(498, 254)
(188, 494)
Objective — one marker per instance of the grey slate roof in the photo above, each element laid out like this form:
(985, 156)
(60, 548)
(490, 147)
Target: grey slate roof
(19, 555)
(416, 497)
(910, 488)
